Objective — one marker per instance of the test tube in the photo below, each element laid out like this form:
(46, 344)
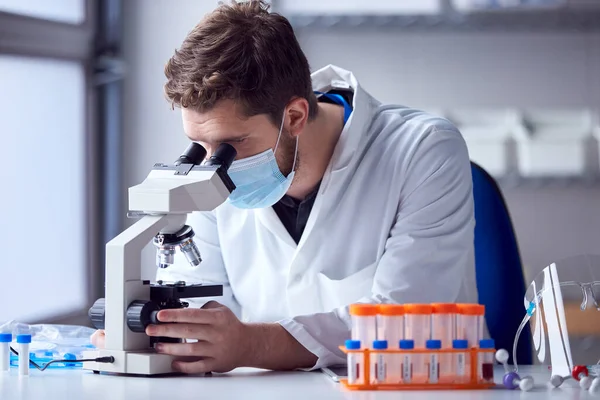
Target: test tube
(5, 340)
(407, 362)
(379, 362)
(433, 360)
(485, 361)
(364, 323)
(417, 323)
(390, 327)
(390, 323)
(470, 323)
(23, 341)
(462, 364)
(355, 363)
(443, 328)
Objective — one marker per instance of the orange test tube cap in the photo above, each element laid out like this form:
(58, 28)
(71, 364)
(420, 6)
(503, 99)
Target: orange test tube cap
(444, 308)
(362, 310)
(391, 309)
(471, 309)
(418, 309)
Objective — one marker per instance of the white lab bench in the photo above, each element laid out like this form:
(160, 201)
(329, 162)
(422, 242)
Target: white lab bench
(244, 383)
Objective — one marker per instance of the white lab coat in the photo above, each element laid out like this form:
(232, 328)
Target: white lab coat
(392, 222)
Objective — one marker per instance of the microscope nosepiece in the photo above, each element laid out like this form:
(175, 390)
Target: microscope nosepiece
(167, 243)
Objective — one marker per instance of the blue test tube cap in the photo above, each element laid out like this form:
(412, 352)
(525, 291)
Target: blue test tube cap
(407, 344)
(380, 344)
(23, 338)
(5, 337)
(460, 344)
(353, 344)
(433, 344)
(487, 344)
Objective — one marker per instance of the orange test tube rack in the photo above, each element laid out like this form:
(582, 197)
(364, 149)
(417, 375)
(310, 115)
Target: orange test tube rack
(472, 384)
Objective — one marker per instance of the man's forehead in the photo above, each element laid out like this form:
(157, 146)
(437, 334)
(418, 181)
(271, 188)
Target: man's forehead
(214, 125)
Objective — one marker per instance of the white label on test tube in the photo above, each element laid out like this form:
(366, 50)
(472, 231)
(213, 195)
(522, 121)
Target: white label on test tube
(380, 368)
(434, 368)
(23, 342)
(460, 364)
(406, 368)
(4, 356)
(352, 368)
(5, 340)
(23, 358)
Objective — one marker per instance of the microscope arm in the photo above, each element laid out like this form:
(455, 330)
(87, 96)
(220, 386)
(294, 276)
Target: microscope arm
(123, 284)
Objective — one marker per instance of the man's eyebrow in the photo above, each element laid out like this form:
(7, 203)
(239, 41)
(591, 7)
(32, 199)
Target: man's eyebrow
(226, 139)
(233, 138)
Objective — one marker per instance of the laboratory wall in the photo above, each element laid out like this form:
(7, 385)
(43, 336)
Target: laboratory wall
(435, 71)
(522, 70)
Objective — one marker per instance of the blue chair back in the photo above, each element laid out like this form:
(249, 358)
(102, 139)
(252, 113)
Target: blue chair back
(498, 268)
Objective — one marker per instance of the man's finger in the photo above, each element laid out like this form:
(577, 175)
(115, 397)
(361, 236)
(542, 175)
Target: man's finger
(182, 331)
(196, 367)
(212, 304)
(98, 339)
(199, 349)
(190, 315)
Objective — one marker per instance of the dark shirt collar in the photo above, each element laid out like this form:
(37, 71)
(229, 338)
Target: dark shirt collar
(289, 201)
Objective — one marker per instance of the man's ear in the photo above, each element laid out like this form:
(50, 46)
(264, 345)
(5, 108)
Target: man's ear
(296, 116)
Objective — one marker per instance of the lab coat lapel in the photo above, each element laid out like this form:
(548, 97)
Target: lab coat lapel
(269, 219)
(354, 131)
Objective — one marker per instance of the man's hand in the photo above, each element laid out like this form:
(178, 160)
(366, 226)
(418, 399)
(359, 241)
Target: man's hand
(224, 342)
(98, 338)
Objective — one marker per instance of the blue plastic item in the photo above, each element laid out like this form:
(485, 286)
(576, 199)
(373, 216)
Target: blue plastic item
(487, 344)
(380, 344)
(433, 344)
(5, 337)
(42, 360)
(24, 339)
(353, 344)
(498, 266)
(460, 344)
(407, 344)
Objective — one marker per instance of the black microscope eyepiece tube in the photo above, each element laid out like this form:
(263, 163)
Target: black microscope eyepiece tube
(194, 154)
(223, 156)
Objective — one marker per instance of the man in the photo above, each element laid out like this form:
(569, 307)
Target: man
(339, 199)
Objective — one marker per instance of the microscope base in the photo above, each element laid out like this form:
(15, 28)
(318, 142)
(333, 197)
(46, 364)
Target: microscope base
(130, 362)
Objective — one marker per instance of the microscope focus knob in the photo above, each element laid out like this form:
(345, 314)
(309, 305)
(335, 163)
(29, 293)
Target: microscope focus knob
(96, 314)
(140, 314)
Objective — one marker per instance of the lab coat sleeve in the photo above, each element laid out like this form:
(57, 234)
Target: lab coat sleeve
(212, 268)
(429, 247)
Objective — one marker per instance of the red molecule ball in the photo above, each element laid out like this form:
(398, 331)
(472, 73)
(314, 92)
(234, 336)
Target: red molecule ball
(579, 370)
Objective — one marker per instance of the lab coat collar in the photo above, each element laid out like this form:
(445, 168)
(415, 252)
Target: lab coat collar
(354, 132)
(363, 105)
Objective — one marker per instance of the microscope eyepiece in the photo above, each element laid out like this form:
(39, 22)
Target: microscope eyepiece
(223, 156)
(194, 154)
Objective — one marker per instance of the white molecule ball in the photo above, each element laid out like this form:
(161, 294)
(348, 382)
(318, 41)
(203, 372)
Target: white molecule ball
(556, 380)
(502, 356)
(595, 387)
(526, 384)
(585, 382)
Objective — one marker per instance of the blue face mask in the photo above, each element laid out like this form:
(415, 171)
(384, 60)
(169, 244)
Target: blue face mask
(258, 179)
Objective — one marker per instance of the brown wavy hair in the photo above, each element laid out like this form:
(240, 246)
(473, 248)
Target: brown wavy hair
(244, 53)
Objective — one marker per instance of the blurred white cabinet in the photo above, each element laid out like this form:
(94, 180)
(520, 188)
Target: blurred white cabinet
(358, 7)
(486, 133)
(552, 143)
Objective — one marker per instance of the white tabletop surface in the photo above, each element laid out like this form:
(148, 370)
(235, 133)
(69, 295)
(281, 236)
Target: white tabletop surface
(244, 384)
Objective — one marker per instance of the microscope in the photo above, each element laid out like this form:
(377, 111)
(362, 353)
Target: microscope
(162, 202)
